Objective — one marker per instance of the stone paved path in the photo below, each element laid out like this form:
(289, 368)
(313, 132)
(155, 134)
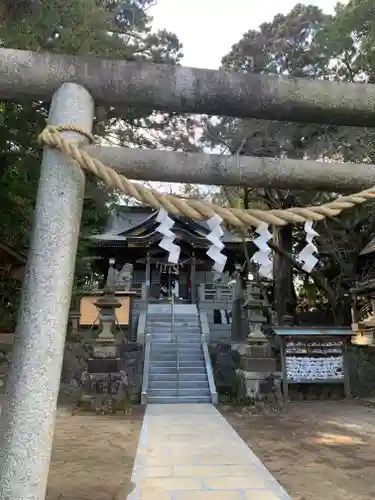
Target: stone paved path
(190, 452)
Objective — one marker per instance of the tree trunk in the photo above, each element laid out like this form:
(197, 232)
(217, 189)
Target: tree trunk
(284, 293)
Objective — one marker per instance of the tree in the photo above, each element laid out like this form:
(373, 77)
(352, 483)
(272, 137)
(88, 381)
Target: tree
(304, 43)
(108, 29)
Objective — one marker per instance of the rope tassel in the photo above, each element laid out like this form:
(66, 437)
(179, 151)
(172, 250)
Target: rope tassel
(307, 254)
(262, 256)
(166, 224)
(214, 252)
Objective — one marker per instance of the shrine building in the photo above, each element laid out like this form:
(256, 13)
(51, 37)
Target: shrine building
(132, 238)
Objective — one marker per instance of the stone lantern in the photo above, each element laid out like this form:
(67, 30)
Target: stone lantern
(105, 380)
(105, 342)
(254, 305)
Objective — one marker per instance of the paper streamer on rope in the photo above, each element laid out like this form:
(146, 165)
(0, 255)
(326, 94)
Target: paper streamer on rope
(167, 243)
(262, 256)
(307, 254)
(214, 252)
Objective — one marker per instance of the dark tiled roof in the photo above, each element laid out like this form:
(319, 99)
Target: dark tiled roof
(126, 218)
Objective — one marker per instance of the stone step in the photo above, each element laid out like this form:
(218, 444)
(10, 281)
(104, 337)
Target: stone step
(179, 399)
(156, 345)
(178, 320)
(182, 384)
(195, 342)
(166, 364)
(169, 328)
(170, 370)
(169, 393)
(184, 354)
(163, 348)
(183, 377)
(183, 363)
(190, 363)
(170, 338)
(168, 314)
(175, 333)
(171, 356)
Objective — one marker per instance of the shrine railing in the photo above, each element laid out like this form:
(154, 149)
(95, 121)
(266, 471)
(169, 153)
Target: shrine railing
(209, 371)
(215, 293)
(175, 337)
(146, 368)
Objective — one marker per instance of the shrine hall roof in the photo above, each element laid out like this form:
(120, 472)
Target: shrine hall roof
(127, 222)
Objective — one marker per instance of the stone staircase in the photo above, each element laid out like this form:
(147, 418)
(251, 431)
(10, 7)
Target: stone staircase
(177, 370)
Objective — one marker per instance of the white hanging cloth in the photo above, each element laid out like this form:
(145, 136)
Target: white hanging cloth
(262, 256)
(307, 253)
(167, 243)
(214, 252)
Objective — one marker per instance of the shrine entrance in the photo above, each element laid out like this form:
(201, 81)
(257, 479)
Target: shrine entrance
(192, 224)
(171, 279)
(132, 238)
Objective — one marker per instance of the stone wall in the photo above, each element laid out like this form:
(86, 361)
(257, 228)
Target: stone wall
(132, 354)
(362, 371)
(257, 362)
(75, 363)
(219, 332)
(225, 363)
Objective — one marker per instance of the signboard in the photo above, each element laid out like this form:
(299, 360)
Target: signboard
(314, 361)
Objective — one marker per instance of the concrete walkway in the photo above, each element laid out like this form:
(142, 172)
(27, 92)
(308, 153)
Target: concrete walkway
(190, 452)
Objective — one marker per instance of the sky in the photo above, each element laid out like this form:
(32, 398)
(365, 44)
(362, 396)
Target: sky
(208, 28)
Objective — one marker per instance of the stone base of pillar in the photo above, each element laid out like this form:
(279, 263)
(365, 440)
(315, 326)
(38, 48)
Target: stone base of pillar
(105, 386)
(256, 386)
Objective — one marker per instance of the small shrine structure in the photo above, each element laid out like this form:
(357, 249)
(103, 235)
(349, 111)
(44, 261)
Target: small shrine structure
(128, 254)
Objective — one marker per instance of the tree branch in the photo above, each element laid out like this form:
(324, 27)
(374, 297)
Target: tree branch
(315, 275)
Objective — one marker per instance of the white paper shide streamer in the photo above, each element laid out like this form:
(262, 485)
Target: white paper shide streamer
(167, 243)
(214, 252)
(307, 254)
(262, 256)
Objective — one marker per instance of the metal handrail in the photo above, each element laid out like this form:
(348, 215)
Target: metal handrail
(175, 336)
(178, 372)
(205, 333)
(146, 367)
(209, 371)
(173, 312)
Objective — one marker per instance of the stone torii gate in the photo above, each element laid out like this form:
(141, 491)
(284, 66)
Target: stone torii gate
(27, 420)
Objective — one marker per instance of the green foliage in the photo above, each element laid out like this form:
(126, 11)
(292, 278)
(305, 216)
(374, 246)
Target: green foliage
(306, 43)
(118, 29)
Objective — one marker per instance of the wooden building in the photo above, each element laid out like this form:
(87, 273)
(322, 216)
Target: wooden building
(132, 237)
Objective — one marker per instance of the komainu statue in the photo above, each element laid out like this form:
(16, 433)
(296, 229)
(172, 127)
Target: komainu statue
(126, 275)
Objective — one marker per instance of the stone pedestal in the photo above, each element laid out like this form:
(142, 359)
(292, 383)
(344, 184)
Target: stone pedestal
(104, 384)
(256, 364)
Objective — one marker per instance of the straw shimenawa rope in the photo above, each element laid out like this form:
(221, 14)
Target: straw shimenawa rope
(194, 209)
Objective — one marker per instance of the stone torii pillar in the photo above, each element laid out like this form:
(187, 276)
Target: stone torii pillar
(28, 416)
